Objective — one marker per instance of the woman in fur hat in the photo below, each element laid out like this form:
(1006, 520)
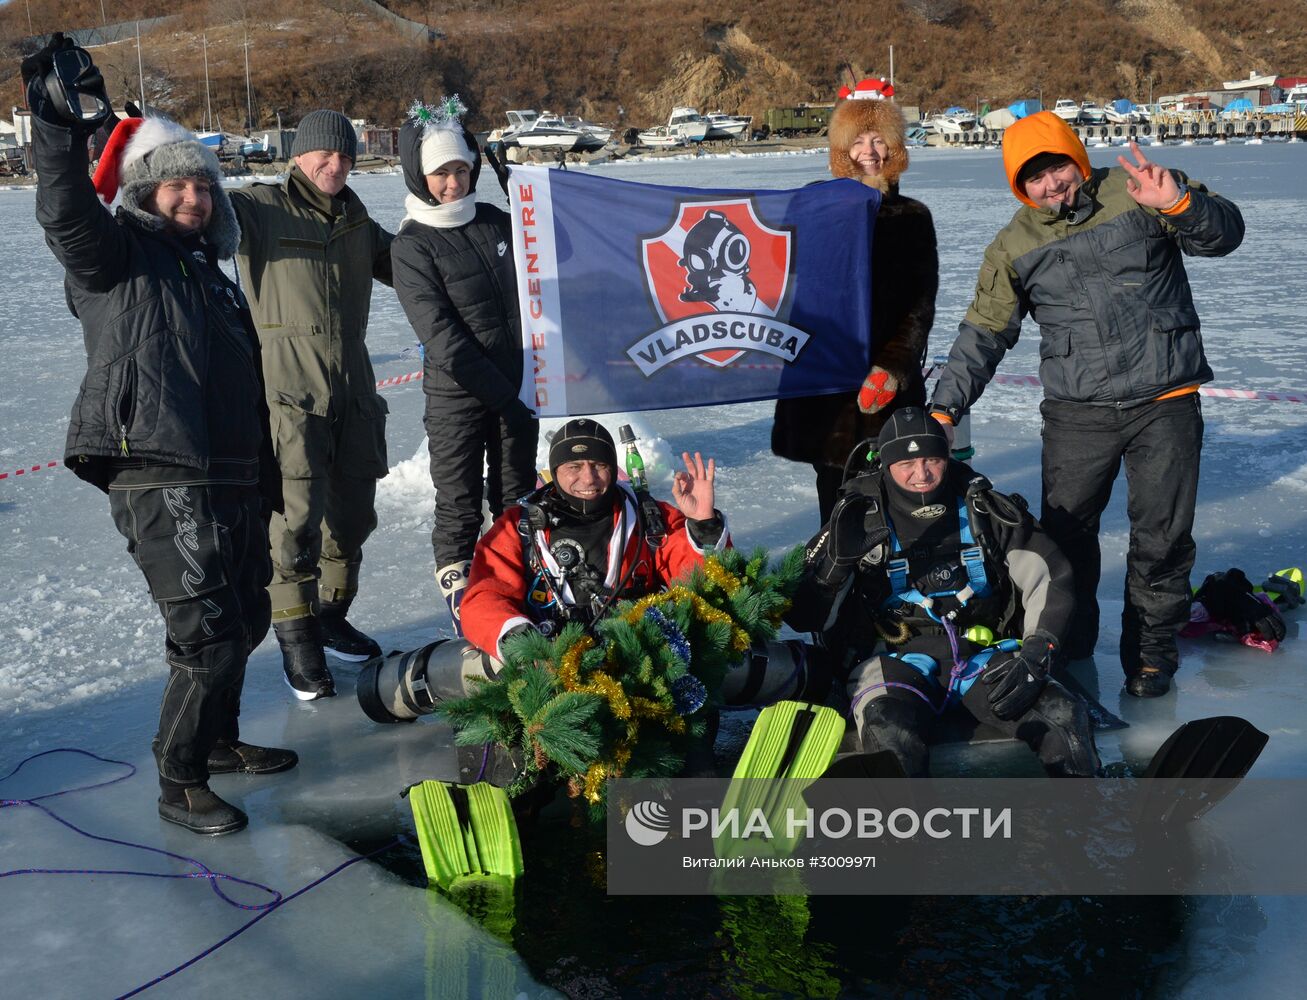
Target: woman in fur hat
(454, 275)
(867, 144)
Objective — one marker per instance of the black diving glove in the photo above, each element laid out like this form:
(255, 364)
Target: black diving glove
(1016, 683)
(1229, 597)
(854, 529)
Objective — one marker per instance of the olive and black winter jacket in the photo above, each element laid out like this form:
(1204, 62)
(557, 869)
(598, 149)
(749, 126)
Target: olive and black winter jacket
(307, 261)
(172, 358)
(1107, 285)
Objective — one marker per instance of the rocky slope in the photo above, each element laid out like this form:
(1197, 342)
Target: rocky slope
(630, 61)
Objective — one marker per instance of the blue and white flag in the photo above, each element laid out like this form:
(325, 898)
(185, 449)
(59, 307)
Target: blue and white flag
(643, 297)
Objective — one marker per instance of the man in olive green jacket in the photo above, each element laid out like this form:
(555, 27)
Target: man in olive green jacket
(308, 254)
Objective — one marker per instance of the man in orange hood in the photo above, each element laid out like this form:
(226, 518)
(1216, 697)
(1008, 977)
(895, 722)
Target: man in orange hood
(1094, 256)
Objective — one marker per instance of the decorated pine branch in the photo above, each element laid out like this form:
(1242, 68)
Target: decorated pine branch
(627, 699)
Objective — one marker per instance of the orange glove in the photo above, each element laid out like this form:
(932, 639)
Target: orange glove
(878, 390)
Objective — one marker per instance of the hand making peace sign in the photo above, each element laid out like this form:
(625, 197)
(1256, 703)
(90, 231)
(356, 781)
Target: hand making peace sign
(1149, 184)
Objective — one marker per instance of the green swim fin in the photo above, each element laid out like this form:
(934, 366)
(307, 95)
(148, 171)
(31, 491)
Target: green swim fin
(791, 739)
(465, 830)
(1211, 755)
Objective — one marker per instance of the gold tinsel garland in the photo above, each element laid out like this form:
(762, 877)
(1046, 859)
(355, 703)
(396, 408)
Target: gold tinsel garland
(721, 576)
(633, 710)
(703, 610)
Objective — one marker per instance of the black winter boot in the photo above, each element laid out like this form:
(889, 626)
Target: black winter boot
(302, 659)
(245, 758)
(341, 638)
(1149, 682)
(198, 809)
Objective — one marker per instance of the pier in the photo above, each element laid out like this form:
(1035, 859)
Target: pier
(1209, 125)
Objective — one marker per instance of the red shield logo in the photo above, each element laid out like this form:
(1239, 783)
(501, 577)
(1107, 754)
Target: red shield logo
(718, 257)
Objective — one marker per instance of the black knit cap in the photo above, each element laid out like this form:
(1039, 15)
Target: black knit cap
(582, 440)
(326, 130)
(911, 433)
(1041, 161)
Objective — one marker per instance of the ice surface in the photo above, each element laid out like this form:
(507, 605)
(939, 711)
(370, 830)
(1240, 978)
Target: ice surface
(84, 665)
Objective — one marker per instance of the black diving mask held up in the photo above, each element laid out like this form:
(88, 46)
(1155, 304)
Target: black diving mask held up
(76, 88)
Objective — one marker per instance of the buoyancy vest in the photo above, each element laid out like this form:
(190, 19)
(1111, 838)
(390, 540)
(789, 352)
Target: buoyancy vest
(976, 552)
(580, 590)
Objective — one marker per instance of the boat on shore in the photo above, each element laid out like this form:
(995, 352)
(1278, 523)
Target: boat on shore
(592, 136)
(661, 137)
(951, 121)
(688, 123)
(1091, 113)
(545, 130)
(724, 126)
(1067, 110)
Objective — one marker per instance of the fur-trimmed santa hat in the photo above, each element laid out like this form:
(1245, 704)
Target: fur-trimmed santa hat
(850, 120)
(142, 153)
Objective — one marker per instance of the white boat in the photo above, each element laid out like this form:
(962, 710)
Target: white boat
(953, 121)
(1068, 111)
(1120, 112)
(688, 123)
(724, 126)
(549, 131)
(661, 136)
(1091, 113)
(592, 136)
(517, 122)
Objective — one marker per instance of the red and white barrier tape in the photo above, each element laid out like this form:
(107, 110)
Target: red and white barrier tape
(929, 372)
(30, 468)
(1203, 390)
(394, 380)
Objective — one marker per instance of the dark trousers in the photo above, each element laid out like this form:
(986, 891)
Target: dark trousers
(896, 709)
(474, 453)
(829, 480)
(1160, 444)
(204, 553)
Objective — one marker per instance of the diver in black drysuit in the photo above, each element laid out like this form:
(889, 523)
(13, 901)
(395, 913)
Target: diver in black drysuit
(920, 584)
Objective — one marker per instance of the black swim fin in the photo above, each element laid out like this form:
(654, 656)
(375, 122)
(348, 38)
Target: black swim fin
(1211, 755)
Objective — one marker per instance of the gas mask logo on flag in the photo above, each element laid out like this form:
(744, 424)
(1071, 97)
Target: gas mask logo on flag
(719, 280)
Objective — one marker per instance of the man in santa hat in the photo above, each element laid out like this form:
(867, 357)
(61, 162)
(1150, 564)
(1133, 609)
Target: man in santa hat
(170, 420)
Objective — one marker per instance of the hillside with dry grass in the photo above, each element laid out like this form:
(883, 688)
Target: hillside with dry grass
(631, 61)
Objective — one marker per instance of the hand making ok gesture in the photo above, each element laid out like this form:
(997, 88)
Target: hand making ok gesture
(693, 488)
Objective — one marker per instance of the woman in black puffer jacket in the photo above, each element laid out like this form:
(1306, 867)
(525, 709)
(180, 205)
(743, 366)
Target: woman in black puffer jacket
(453, 265)
(867, 144)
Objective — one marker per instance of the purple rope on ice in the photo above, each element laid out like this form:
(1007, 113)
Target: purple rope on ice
(203, 872)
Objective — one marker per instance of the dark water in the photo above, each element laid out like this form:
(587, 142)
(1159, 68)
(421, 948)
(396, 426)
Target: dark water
(584, 943)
